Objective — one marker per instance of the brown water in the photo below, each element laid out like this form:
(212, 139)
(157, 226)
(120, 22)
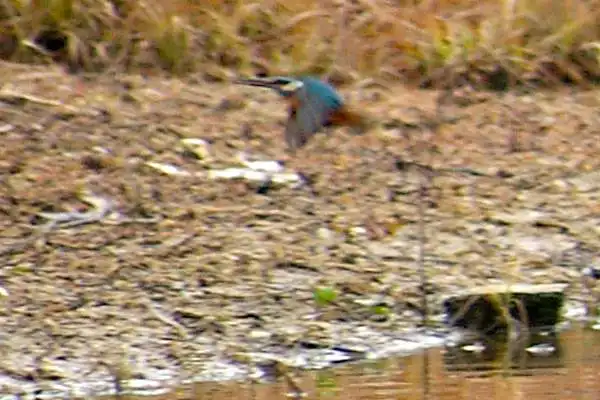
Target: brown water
(572, 372)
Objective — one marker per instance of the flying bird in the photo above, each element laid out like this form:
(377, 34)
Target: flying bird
(312, 105)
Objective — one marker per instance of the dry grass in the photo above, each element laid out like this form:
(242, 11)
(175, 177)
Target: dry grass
(444, 41)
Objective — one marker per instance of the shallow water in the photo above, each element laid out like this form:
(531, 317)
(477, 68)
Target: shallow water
(506, 372)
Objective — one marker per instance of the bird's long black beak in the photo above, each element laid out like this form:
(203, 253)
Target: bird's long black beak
(260, 82)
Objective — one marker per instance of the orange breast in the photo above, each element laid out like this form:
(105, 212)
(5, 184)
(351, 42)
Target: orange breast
(344, 116)
(293, 102)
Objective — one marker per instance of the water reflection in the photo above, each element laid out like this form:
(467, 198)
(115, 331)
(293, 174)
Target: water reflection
(499, 372)
(543, 350)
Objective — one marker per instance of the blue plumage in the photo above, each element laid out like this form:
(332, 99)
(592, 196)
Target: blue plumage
(323, 91)
(313, 105)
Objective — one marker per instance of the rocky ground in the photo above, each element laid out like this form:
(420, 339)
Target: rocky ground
(121, 255)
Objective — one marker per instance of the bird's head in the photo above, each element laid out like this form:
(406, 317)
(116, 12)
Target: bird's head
(283, 85)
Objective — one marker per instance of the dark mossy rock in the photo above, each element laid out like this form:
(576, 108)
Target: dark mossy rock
(487, 309)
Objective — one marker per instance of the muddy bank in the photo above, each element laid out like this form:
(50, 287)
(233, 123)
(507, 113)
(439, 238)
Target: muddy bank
(179, 272)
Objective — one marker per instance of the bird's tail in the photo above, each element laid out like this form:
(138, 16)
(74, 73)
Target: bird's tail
(359, 121)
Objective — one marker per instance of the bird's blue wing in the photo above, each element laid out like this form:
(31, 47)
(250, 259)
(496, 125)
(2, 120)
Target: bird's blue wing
(317, 101)
(294, 136)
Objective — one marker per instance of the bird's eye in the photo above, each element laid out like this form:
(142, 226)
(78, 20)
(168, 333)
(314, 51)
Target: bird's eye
(281, 81)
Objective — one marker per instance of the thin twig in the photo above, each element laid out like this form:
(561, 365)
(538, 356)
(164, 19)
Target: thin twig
(9, 96)
(180, 329)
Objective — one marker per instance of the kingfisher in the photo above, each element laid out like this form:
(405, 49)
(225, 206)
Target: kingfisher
(312, 105)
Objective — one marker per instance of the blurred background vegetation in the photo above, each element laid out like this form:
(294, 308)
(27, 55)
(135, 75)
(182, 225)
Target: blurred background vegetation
(431, 43)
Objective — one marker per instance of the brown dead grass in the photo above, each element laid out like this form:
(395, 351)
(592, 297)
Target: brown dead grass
(492, 43)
